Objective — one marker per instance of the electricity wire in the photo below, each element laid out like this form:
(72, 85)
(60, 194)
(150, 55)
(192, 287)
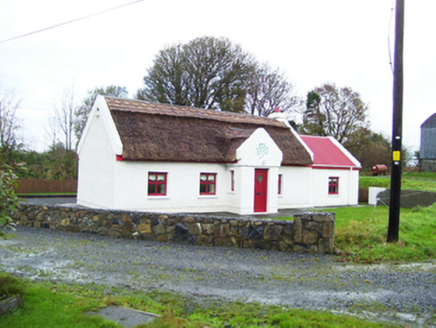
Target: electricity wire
(389, 38)
(71, 21)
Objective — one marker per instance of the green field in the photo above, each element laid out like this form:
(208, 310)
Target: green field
(423, 181)
(361, 234)
(361, 231)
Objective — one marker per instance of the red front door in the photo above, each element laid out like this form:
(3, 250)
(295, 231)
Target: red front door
(260, 189)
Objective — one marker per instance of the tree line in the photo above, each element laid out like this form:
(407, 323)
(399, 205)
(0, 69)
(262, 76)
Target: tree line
(212, 74)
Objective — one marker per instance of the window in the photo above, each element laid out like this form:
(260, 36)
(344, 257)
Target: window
(333, 185)
(280, 184)
(157, 184)
(232, 181)
(207, 183)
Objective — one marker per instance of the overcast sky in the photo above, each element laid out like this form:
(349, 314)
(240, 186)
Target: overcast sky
(312, 41)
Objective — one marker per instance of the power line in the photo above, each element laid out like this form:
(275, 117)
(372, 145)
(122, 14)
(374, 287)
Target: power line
(389, 39)
(71, 21)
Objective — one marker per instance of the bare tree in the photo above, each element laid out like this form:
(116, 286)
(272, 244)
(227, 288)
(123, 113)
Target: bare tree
(269, 89)
(64, 115)
(333, 111)
(9, 122)
(52, 131)
(206, 72)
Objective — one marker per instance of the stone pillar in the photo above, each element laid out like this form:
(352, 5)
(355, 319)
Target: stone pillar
(314, 232)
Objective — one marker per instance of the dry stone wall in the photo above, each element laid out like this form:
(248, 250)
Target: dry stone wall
(310, 232)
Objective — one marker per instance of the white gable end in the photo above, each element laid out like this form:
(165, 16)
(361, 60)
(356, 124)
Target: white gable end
(259, 150)
(101, 111)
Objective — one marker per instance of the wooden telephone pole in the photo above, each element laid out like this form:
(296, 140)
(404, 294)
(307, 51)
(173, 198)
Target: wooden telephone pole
(397, 126)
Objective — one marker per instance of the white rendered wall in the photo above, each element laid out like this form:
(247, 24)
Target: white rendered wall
(297, 187)
(373, 193)
(96, 167)
(348, 187)
(183, 182)
(183, 187)
(259, 151)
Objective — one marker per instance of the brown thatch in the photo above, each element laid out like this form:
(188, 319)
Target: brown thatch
(162, 132)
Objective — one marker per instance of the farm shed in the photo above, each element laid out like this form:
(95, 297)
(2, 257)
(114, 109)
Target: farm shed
(428, 144)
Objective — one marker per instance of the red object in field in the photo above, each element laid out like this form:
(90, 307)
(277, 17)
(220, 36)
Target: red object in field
(379, 169)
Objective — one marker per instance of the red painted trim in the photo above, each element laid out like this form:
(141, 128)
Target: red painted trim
(119, 158)
(260, 190)
(333, 185)
(174, 161)
(208, 183)
(156, 183)
(335, 168)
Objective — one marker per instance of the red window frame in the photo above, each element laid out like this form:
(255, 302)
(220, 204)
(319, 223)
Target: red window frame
(207, 183)
(333, 185)
(232, 182)
(280, 184)
(157, 184)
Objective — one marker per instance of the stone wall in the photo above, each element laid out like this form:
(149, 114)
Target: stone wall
(308, 233)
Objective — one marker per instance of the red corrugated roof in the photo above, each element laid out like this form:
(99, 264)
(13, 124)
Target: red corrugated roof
(326, 152)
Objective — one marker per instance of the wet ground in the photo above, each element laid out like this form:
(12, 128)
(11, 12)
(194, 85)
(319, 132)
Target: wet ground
(400, 293)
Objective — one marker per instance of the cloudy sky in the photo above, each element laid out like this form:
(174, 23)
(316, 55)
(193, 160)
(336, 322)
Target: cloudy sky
(313, 41)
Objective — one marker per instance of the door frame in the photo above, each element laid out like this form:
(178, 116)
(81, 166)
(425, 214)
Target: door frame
(260, 191)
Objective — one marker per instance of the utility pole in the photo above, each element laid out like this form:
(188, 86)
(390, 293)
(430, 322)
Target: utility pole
(397, 126)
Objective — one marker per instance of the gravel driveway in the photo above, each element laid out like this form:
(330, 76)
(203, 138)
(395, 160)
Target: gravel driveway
(404, 294)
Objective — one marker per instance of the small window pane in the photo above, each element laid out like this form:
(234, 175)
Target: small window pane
(211, 189)
(161, 177)
(152, 177)
(211, 178)
(203, 177)
(151, 189)
(202, 188)
(161, 189)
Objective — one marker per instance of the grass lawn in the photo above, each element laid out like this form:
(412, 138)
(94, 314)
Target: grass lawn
(423, 181)
(361, 234)
(361, 231)
(57, 305)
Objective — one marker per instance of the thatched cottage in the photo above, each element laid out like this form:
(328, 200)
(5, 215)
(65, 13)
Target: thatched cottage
(142, 156)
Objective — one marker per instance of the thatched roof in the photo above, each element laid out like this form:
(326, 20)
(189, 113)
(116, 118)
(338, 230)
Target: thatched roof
(163, 132)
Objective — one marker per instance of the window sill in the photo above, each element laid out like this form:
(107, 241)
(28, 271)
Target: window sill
(208, 197)
(158, 197)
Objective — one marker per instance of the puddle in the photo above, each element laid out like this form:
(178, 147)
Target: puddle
(126, 317)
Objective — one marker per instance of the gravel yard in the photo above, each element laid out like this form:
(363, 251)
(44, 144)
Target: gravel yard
(402, 293)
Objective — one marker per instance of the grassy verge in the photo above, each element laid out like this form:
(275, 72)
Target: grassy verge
(57, 305)
(10, 286)
(361, 234)
(423, 181)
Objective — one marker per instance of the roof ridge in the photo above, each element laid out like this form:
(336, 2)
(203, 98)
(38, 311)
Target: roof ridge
(152, 108)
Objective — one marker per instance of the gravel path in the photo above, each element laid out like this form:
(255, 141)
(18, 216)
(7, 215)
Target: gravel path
(404, 294)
